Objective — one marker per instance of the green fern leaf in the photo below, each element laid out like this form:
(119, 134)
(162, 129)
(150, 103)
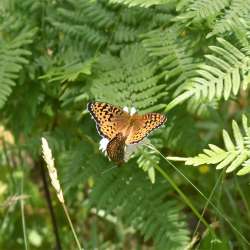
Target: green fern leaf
(69, 72)
(12, 57)
(203, 9)
(130, 80)
(170, 50)
(234, 155)
(142, 206)
(245, 169)
(141, 3)
(84, 20)
(233, 19)
(147, 161)
(227, 71)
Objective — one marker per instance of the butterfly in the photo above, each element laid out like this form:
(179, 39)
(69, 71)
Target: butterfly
(122, 128)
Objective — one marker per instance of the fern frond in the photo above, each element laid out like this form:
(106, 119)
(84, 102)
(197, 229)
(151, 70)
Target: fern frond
(85, 21)
(233, 17)
(69, 72)
(147, 162)
(225, 73)
(125, 34)
(12, 57)
(99, 23)
(235, 154)
(142, 206)
(203, 9)
(175, 60)
(81, 165)
(134, 16)
(141, 3)
(245, 169)
(130, 80)
(202, 109)
(127, 194)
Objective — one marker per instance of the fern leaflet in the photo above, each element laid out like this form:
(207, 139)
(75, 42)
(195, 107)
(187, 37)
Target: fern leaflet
(235, 154)
(233, 18)
(141, 3)
(12, 57)
(226, 71)
(130, 80)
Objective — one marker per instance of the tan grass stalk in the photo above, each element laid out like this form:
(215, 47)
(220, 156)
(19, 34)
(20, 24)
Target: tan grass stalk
(48, 158)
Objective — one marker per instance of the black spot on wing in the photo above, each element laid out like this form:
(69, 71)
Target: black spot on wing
(153, 128)
(98, 128)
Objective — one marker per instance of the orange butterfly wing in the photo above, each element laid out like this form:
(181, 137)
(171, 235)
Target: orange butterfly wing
(109, 119)
(143, 125)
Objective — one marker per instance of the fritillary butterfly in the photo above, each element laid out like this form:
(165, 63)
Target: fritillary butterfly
(121, 128)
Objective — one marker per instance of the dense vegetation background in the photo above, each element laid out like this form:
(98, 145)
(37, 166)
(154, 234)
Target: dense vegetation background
(189, 59)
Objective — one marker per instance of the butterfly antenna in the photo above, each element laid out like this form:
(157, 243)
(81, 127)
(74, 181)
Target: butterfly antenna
(105, 171)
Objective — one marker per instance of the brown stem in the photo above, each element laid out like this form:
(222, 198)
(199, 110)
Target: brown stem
(49, 202)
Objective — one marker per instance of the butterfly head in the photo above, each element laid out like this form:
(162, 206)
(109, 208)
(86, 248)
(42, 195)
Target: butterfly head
(132, 111)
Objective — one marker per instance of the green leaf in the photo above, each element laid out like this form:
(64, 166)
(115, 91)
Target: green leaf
(221, 76)
(238, 136)
(12, 58)
(231, 158)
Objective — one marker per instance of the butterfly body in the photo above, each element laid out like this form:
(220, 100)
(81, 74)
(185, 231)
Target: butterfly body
(115, 149)
(121, 128)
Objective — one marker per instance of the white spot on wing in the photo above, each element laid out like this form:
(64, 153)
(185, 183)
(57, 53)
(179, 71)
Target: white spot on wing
(126, 109)
(103, 144)
(132, 111)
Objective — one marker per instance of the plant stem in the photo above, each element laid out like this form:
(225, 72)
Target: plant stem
(49, 202)
(23, 216)
(9, 167)
(204, 196)
(243, 197)
(209, 200)
(183, 196)
(72, 227)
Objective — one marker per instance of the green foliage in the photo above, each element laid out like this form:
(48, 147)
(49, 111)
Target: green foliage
(131, 80)
(188, 59)
(148, 161)
(233, 156)
(232, 18)
(121, 190)
(178, 132)
(12, 57)
(100, 24)
(144, 209)
(141, 3)
(173, 57)
(226, 72)
(203, 9)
